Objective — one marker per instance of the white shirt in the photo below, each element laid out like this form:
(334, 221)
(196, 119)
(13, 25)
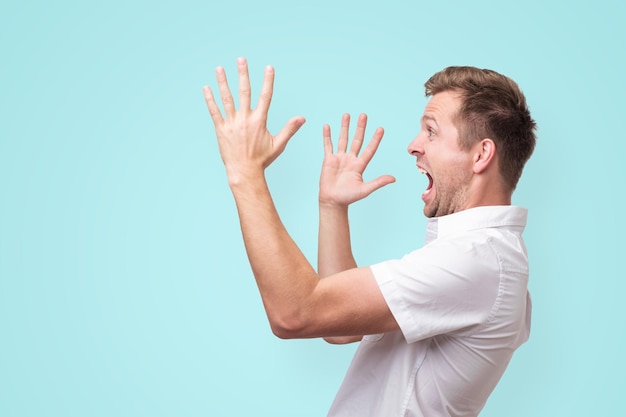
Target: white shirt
(463, 307)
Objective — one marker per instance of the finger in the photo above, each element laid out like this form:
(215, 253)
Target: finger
(267, 90)
(359, 134)
(244, 84)
(214, 109)
(290, 129)
(328, 143)
(342, 144)
(372, 146)
(227, 97)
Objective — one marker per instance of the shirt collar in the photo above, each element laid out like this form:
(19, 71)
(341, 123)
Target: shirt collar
(512, 217)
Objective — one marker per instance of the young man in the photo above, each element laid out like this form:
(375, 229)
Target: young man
(439, 326)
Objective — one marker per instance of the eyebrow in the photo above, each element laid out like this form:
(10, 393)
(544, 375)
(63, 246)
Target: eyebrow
(431, 118)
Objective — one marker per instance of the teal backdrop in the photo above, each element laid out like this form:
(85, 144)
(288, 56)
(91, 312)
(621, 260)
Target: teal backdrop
(124, 286)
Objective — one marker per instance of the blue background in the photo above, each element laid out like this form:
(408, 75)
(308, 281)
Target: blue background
(124, 286)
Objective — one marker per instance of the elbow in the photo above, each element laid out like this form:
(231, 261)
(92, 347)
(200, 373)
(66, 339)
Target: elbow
(335, 340)
(342, 340)
(285, 334)
(289, 327)
(293, 327)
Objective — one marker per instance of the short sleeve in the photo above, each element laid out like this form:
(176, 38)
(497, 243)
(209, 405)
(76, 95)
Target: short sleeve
(448, 286)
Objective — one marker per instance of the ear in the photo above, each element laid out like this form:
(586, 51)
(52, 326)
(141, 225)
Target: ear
(484, 155)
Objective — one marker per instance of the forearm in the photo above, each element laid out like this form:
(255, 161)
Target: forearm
(284, 276)
(334, 250)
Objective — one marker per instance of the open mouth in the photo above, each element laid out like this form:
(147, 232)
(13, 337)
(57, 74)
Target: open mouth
(430, 179)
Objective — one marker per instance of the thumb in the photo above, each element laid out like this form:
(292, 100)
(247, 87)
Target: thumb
(290, 129)
(378, 183)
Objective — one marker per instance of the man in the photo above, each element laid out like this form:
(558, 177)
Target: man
(439, 326)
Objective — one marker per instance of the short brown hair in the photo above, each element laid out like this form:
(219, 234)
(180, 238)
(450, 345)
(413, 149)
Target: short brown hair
(493, 107)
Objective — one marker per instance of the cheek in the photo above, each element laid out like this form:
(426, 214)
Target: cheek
(455, 168)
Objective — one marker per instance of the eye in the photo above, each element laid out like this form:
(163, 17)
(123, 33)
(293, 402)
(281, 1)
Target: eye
(431, 133)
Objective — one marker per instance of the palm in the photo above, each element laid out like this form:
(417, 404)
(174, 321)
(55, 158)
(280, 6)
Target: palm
(341, 180)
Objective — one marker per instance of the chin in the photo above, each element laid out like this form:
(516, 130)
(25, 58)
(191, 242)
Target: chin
(429, 212)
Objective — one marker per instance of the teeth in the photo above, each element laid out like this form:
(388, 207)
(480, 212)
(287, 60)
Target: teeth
(423, 171)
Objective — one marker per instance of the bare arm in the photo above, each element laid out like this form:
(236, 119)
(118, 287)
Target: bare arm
(341, 183)
(297, 302)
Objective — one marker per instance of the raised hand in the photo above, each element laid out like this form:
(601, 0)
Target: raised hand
(341, 181)
(245, 144)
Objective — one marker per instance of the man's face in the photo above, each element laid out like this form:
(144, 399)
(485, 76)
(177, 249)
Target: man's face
(449, 169)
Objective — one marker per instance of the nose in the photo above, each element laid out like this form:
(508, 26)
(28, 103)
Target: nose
(416, 147)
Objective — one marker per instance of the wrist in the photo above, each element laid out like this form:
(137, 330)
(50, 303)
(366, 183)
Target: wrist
(243, 175)
(329, 205)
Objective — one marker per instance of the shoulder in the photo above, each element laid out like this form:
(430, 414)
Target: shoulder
(468, 254)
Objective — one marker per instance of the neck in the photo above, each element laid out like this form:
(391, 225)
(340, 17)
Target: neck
(485, 192)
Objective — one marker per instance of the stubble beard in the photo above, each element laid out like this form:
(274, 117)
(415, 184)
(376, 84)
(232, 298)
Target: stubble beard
(450, 198)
